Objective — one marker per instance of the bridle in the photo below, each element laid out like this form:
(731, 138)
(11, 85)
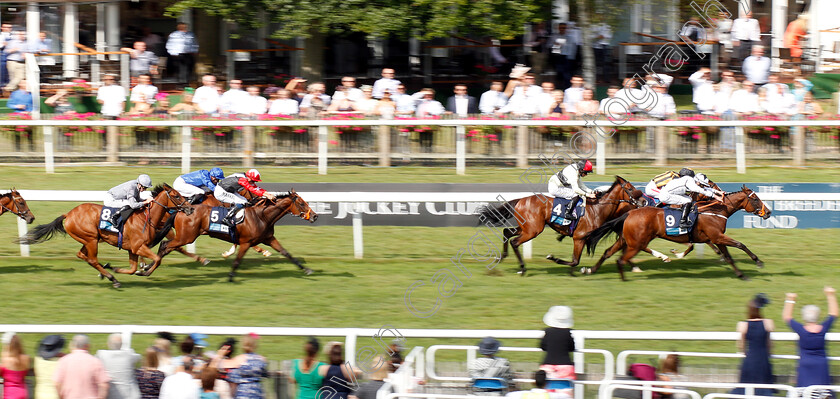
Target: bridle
(14, 196)
(182, 207)
(303, 215)
(758, 211)
(623, 185)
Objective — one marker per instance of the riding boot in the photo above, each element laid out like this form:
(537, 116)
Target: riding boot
(686, 209)
(118, 216)
(229, 218)
(570, 210)
(196, 199)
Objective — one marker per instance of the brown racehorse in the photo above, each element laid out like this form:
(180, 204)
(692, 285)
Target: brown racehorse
(13, 202)
(257, 227)
(82, 223)
(533, 213)
(639, 227)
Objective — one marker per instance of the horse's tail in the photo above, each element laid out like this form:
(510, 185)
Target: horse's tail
(613, 226)
(43, 232)
(498, 215)
(163, 231)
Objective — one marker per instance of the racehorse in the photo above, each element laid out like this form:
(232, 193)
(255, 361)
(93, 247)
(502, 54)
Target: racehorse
(13, 202)
(533, 213)
(257, 227)
(82, 223)
(640, 226)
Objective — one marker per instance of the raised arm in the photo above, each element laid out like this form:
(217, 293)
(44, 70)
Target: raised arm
(787, 311)
(831, 296)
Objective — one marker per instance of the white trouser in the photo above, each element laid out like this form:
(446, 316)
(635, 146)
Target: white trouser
(673, 199)
(187, 190)
(562, 192)
(113, 202)
(651, 190)
(228, 198)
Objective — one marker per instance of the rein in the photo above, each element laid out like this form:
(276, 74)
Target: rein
(12, 200)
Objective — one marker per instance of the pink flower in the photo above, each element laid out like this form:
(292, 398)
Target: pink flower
(769, 128)
(774, 136)
(300, 130)
(508, 127)
(695, 136)
(357, 128)
(403, 130)
(333, 142)
(473, 132)
(835, 137)
(68, 134)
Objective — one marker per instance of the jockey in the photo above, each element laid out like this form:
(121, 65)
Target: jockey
(126, 196)
(567, 184)
(192, 185)
(676, 193)
(227, 191)
(655, 185)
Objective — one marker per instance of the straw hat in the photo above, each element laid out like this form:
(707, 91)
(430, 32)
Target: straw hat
(559, 317)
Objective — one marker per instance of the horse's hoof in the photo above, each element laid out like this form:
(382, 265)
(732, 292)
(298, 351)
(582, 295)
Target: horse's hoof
(117, 284)
(666, 259)
(205, 262)
(521, 272)
(139, 272)
(549, 257)
(266, 254)
(101, 276)
(759, 264)
(230, 277)
(744, 278)
(107, 266)
(307, 271)
(637, 269)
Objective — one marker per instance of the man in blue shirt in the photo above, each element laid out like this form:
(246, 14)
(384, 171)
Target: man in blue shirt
(21, 99)
(14, 50)
(194, 184)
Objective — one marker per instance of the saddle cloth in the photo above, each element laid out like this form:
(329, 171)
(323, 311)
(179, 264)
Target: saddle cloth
(672, 221)
(105, 219)
(217, 215)
(559, 208)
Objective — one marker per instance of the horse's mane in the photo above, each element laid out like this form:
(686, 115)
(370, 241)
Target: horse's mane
(157, 190)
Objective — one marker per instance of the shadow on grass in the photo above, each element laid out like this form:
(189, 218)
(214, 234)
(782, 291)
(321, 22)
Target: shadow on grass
(37, 269)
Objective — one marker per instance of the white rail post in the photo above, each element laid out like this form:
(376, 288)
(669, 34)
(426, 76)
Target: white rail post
(358, 237)
(49, 161)
(322, 150)
(527, 250)
(740, 156)
(460, 150)
(22, 230)
(186, 148)
(350, 346)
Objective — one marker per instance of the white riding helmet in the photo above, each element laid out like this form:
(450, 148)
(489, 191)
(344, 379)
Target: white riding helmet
(701, 179)
(144, 180)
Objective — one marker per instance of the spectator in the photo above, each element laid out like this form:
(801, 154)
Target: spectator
(606, 106)
(704, 91)
(235, 99)
(182, 48)
(349, 90)
(488, 365)
(15, 50)
(537, 40)
(665, 106)
(342, 105)
(315, 101)
(149, 378)
(142, 61)
(42, 45)
(186, 107)
(180, 385)
(728, 82)
(558, 343)
(557, 108)
(587, 105)
(161, 104)
(546, 98)
(539, 391)
(763, 103)
(773, 82)
(810, 107)
(723, 34)
(796, 30)
(521, 85)
(153, 41)
(163, 343)
(208, 383)
(573, 94)
(80, 374)
(377, 377)
(563, 52)
(745, 32)
(781, 103)
(305, 371)
(756, 67)
(386, 107)
(461, 104)
(631, 95)
(224, 363)
(50, 349)
(386, 82)
(21, 99)
(428, 106)
(297, 88)
(406, 104)
(669, 370)
(721, 103)
(254, 103)
(140, 106)
(119, 365)
(755, 343)
(492, 100)
(5, 38)
(283, 105)
(744, 102)
(800, 88)
(186, 347)
(813, 360)
(336, 374)
(250, 369)
(522, 103)
(271, 93)
(144, 86)
(14, 366)
(112, 97)
(601, 37)
(207, 97)
(367, 104)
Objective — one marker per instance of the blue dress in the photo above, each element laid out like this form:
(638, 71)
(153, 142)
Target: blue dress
(756, 368)
(248, 377)
(813, 360)
(339, 384)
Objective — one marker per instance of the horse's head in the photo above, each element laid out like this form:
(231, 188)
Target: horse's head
(168, 197)
(18, 206)
(753, 204)
(623, 191)
(300, 208)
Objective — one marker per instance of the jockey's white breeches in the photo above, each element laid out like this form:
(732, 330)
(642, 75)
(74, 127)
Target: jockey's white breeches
(673, 199)
(113, 202)
(561, 192)
(228, 198)
(651, 190)
(187, 190)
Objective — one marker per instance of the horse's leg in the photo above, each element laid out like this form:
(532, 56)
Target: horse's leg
(229, 252)
(630, 250)
(576, 252)
(657, 254)
(145, 252)
(273, 243)
(239, 255)
(619, 244)
(717, 251)
(88, 254)
(508, 233)
(728, 257)
(204, 261)
(524, 236)
(729, 241)
(680, 255)
(132, 263)
(262, 251)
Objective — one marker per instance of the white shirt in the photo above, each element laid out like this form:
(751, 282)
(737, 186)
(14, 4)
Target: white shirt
(462, 105)
(307, 100)
(285, 106)
(604, 31)
(756, 69)
(746, 29)
(772, 89)
(231, 101)
(179, 386)
(520, 104)
(148, 90)
(684, 185)
(544, 101)
(781, 105)
(113, 97)
(571, 97)
(207, 99)
(664, 106)
(721, 103)
(744, 101)
(352, 94)
(405, 103)
(704, 92)
(630, 97)
(491, 101)
(572, 176)
(550, 395)
(429, 108)
(251, 105)
(383, 84)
